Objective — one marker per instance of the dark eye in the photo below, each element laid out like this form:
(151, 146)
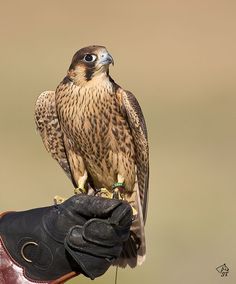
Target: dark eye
(90, 57)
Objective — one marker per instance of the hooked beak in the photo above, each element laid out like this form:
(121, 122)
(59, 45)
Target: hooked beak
(107, 59)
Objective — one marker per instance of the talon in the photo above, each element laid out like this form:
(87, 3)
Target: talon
(118, 193)
(79, 190)
(135, 212)
(58, 199)
(81, 184)
(103, 192)
(118, 190)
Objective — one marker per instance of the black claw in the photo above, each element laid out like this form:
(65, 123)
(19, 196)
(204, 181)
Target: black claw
(115, 195)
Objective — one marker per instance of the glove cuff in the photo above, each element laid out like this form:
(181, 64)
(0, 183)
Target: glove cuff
(10, 269)
(28, 245)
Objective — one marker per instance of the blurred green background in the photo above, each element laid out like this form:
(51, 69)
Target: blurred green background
(178, 58)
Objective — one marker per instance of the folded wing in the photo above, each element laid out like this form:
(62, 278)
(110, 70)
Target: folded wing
(50, 131)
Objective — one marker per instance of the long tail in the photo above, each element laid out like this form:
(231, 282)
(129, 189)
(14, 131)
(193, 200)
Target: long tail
(134, 250)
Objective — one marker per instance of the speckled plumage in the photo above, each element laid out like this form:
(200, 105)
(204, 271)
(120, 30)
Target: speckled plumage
(90, 124)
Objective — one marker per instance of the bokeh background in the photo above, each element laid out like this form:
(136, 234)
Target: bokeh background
(178, 58)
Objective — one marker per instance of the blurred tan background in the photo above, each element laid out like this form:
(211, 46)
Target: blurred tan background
(178, 58)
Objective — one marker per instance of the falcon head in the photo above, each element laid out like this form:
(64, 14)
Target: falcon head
(89, 62)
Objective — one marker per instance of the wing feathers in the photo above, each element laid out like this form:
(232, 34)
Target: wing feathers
(134, 250)
(138, 128)
(49, 128)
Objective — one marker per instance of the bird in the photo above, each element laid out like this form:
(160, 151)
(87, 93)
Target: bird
(96, 131)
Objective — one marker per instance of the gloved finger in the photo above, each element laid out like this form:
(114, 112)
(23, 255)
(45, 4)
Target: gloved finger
(91, 265)
(93, 245)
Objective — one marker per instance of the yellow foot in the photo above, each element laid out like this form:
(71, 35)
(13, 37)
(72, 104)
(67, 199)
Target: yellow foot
(81, 184)
(79, 191)
(135, 212)
(117, 194)
(103, 192)
(58, 199)
(119, 187)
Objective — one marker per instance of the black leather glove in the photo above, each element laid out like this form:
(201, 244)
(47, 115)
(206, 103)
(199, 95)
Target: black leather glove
(84, 234)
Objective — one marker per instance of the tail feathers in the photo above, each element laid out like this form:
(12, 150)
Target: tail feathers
(134, 249)
(131, 255)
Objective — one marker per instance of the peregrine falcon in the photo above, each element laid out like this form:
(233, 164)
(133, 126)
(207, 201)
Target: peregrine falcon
(97, 133)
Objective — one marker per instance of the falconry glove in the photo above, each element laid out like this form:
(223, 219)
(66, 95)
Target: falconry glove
(84, 234)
